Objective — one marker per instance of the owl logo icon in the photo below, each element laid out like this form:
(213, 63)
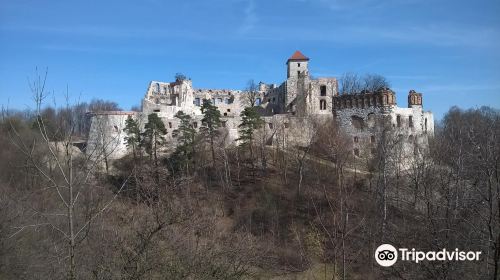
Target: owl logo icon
(386, 255)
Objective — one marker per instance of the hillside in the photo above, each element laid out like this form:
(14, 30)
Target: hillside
(250, 211)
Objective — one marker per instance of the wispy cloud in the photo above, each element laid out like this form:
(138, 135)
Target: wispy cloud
(250, 17)
(440, 35)
(109, 50)
(461, 88)
(339, 5)
(357, 5)
(108, 31)
(436, 35)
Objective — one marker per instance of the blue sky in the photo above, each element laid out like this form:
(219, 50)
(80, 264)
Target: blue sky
(448, 50)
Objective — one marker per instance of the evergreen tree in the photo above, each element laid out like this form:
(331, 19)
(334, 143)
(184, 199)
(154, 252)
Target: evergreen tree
(210, 124)
(153, 136)
(133, 137)
(185, 135)
(250, 121)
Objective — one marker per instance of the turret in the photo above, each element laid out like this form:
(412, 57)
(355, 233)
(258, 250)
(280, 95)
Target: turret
(297, 65)
(414, 99)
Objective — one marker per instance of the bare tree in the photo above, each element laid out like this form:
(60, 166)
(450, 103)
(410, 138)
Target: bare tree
(251, 94)
(66, 174)
(374, 83)
(350, 84)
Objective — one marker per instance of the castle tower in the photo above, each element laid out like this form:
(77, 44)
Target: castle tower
(297, 65)
(414, 99)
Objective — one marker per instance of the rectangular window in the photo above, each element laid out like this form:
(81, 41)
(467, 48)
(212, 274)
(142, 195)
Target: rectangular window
(410, 121)
(270, 125)
(286, 125)
(169, 125)
(156, 110)
(223, 124)
(229, 110)
(195, 124)
(219, 100)
(398, 120)
(356, 139)
(322, 104)
(197, 101)
(356, 152)
(372, 139)
(323, 90)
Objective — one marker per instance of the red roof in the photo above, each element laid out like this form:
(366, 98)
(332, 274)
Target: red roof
(297, 55)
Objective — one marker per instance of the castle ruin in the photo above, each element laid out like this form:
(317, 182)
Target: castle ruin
(288, 106)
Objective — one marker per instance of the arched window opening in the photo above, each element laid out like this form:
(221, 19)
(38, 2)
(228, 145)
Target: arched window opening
(370, 122)
(356, 152)
(357, 122)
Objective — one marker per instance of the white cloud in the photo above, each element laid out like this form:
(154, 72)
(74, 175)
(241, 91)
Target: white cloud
(250, 17)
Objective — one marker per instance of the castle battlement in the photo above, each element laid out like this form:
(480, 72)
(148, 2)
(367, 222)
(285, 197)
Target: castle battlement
(382, 98)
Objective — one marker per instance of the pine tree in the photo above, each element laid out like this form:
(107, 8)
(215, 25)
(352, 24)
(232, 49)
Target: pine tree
(210, 124)
(133, 137)
(153, 136)
(250, 121)
(185, 135)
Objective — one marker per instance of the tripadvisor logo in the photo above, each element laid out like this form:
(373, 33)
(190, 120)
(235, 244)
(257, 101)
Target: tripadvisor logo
(387, 255)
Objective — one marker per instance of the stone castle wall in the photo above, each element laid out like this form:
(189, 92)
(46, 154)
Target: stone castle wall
(106, 139)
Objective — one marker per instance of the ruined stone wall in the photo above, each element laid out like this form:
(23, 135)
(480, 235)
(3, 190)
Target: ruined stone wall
(319, 99)
(166, 99)
(274, 99)
(106, 137)
(169, 98)
(363, 117)
(289, 131)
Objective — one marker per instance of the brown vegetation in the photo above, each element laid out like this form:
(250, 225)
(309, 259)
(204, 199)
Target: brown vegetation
(284, 212)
